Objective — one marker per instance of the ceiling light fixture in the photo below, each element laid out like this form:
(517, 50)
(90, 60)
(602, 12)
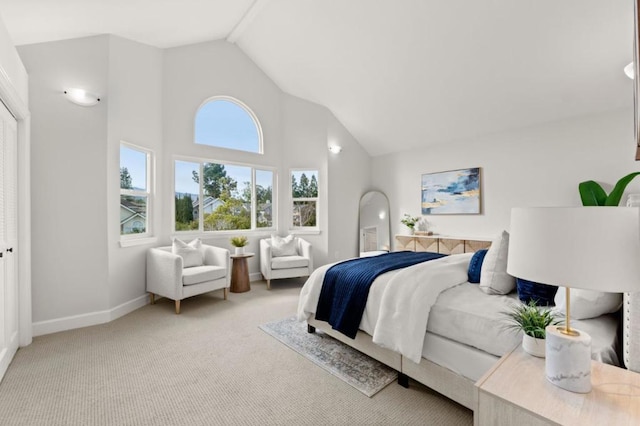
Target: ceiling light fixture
(81, 97)
(335, 149)
(630, 71)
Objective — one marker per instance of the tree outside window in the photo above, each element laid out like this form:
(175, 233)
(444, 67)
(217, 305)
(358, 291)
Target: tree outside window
(304, 193)
(134, 190)
(227, 197)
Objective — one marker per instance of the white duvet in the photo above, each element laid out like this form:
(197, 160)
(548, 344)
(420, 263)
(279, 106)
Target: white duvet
(399, 302)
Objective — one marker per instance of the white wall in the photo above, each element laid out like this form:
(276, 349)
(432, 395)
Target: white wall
(12, 66)
(349, 179)
(538, 166)
(135, 116)
(149, 98)
(69, 178)
(305, 147)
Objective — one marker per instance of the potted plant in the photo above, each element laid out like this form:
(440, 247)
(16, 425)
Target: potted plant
(532, 320)
(239, 243)
(592, 194)
(410, 222)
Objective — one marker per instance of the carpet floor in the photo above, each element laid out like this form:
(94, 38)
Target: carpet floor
(210, 365)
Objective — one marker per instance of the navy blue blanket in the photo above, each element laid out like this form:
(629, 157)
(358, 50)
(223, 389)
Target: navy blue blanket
(345, 288)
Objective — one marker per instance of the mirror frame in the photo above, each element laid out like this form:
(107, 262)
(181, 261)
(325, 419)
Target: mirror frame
(636, 74)
(387, 219)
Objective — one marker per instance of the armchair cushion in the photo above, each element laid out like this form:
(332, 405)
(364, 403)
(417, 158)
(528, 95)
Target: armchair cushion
(283, 246)
(191, 253)
(287, 262)
(200, 274)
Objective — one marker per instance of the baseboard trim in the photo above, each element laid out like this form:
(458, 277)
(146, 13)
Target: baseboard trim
(256, 276)
(6, 354)
(85, 320)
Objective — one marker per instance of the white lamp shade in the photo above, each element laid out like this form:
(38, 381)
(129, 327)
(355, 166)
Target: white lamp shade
(593, 248)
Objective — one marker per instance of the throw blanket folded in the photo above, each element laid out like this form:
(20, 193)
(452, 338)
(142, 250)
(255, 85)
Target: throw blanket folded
(346, 287)
(407, 300)
(397, 321)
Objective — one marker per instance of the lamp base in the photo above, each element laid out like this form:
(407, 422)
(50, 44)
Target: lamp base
(568, 362)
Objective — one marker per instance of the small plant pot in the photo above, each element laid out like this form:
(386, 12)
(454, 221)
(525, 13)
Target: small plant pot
(239, 250)
(533, 346)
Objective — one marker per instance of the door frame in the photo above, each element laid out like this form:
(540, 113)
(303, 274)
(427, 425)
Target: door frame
(17, 106)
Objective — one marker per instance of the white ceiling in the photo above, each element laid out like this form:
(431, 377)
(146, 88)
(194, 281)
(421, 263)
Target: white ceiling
(398, 74)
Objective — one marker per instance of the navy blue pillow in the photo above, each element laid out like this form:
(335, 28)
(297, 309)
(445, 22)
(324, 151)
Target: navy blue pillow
(542, 294)
(475, 266)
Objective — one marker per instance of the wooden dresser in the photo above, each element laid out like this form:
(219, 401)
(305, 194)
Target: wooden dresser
(439, 244)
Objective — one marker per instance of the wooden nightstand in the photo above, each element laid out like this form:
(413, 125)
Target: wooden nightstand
(516, 392)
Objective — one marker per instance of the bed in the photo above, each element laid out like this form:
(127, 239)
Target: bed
(460, 339)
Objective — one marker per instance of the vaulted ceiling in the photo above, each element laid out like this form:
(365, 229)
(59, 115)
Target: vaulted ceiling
(399, 74)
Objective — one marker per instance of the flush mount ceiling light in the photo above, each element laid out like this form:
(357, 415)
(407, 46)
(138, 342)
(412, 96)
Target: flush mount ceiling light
(630, 71)
(81, 97)
(335, 149)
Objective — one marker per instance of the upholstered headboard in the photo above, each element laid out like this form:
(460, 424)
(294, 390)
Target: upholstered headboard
(631, 331)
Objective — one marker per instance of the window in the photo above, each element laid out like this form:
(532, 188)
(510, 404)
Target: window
(211, 196)
(304, 193)
(227, 123)
(135, 190)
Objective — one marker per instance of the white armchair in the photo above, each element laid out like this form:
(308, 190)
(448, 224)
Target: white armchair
(276, 267)
(167, 277)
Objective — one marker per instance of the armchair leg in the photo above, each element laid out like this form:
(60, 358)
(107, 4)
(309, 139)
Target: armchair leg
(152, 298)
(268, 284)
(177, 307)
(226, 293)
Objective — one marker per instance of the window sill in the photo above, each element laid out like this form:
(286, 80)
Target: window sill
(132, 242)
(305, 231)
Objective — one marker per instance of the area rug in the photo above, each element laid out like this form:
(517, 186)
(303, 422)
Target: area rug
(355, 368)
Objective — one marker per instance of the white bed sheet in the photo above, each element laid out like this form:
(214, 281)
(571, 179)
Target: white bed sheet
(466, 315)
(463, 332)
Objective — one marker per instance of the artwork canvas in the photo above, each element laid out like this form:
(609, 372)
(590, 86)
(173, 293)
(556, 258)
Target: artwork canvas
(451, 192)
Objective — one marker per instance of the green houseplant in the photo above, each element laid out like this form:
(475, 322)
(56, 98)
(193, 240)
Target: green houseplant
(239, 242)
(592, 193)
(409, 221)
(532, 320)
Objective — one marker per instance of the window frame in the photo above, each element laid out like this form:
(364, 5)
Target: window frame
(149, 193)
(304, 229)
(242, 105)
(201, 231)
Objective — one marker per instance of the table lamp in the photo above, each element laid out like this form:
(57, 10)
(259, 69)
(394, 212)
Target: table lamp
(591, 248)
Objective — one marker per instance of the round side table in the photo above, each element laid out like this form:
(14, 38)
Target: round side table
(240, 273)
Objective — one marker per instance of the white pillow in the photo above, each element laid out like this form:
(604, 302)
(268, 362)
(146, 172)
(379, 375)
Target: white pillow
(587, 303)
(493, 275)
(283, 246)
(191, 253)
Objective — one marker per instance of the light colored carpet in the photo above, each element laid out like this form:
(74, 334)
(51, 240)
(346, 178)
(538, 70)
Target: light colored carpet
(210, 365)
(355, 368)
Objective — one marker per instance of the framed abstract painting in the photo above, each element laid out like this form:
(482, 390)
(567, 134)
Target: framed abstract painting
(451, 192)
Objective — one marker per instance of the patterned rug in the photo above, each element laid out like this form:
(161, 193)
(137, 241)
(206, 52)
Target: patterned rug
(357, 369)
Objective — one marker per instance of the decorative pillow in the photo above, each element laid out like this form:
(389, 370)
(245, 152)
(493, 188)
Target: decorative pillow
(542, 294)
(475, 266)
(191, 253)
(588, 303)
(493, 275)
(283, 246)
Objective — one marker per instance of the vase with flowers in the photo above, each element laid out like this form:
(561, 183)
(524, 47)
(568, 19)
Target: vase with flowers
(410, 222)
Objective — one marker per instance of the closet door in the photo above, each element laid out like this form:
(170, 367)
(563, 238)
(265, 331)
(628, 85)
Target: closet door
(8, 239)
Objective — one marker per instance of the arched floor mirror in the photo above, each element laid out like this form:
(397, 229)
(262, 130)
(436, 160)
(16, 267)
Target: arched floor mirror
(375, 227)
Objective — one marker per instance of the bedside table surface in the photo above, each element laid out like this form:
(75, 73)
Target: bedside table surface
(518, 379)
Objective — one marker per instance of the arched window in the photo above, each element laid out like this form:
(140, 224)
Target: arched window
(225, 122)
